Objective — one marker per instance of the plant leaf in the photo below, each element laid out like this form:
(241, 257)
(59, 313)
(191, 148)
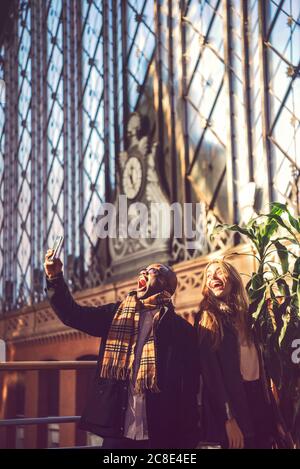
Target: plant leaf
(270, 228)
(277, 208)
(273, 359)
(294, 222)
(298, 297)
(259, 307)
(280, 222)
(285, 238)
(283, 287)
(296, 275)
(283, 331)
(283, 256)
(237, 228)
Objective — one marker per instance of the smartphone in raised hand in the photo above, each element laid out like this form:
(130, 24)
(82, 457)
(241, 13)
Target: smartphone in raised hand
(57, 247)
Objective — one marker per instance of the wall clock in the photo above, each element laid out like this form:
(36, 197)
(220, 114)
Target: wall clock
(132, 177)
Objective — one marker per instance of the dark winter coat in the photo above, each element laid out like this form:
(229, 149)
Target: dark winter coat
(222, 391)
(172, 413)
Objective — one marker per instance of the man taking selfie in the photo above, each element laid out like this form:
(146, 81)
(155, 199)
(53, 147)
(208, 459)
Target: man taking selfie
(144, 390)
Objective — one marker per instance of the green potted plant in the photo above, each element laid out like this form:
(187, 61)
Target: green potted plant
(274, 294)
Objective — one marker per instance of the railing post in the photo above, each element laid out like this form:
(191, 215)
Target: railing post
(67, 406)
(31, 407)
(9, 410)
(43, 407)
(2, 395)
(2, 351)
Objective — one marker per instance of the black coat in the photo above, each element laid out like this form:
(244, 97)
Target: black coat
(172, 413)
(223, 394)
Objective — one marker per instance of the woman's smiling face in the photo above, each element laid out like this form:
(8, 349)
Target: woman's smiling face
(217, 281)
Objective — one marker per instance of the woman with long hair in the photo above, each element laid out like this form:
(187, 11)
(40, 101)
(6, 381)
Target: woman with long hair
(238, 409)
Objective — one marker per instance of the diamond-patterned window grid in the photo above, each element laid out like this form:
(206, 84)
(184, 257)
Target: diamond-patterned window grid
(107, 72)
(118, 74)
(23, 234)
(206, 98)
(256, 96)
(283, 49)
(55, 120)
(240, 121)
(140, 46)
(93, 121)
(204, 83)
(89, 165)
(112, 138)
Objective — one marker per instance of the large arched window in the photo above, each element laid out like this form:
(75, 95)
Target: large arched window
(217, 79)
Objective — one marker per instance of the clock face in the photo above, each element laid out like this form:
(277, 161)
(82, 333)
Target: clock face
(132, 177)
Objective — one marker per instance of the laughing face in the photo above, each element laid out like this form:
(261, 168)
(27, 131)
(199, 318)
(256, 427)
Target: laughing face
(151, 280)
(217, 282)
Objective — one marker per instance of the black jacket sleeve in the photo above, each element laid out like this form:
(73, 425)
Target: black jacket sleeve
(212, 376)
(93, 320)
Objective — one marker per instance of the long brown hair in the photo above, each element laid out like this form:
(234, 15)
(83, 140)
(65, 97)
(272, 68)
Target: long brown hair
(236, 306)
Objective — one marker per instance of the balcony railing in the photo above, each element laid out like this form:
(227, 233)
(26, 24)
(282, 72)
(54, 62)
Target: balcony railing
(47, 365)
(39, 366)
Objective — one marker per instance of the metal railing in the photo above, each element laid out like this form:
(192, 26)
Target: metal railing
(37, 366)
(46, 365)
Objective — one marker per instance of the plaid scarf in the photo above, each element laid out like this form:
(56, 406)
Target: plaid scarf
(121, 341)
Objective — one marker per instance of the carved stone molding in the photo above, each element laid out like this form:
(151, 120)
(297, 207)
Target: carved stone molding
(18, 326)
(65, 335)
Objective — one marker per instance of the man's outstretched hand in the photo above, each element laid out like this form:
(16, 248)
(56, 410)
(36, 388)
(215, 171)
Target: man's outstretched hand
(52, 267)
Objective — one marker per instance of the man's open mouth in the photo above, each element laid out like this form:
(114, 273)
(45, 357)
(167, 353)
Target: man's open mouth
(142, 284)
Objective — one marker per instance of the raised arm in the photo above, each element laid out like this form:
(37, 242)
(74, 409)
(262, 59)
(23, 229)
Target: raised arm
(93, 320)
